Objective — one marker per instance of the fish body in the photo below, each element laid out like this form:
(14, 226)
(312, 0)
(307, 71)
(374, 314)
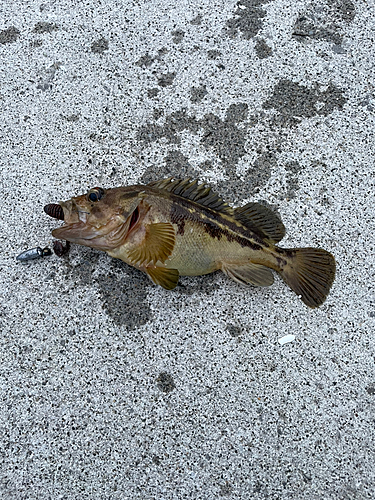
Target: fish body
(173, 228)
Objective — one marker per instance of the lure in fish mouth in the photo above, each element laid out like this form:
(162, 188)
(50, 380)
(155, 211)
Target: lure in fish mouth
(176, 227)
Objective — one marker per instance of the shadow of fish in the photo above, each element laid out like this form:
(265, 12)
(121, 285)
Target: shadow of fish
(171, 228)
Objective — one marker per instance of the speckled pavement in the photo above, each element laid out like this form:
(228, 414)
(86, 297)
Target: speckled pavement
(112, 388)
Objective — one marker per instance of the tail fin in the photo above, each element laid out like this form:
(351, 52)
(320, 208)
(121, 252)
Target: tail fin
(310, 273)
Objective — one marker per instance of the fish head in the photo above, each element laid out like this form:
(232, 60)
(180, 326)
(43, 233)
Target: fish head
(98, 219)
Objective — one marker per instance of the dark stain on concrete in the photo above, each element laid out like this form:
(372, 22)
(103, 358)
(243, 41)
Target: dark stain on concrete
(45, 80)
(234, 330)
(178, 36)
(123, 292)
(36, 43)
(81, 271)
(371, 389)
(256, 176)
(262, 49)
(44, 27)
(293, 168)
(175, 164)
(293, 100)
(147, 60)
(151, 93)
(248, 18)
(324, 21)
(223, 136)
(9, 35)
(213, 54)
(202, 285)
(166, 79)
(157, 113)
(198, 93)
(197, 21)
(71, 118)
(225, 490)
(227, 137)
(100, 46)
(165, 382)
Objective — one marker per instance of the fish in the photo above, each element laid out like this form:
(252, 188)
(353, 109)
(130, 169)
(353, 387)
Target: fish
(179, 227)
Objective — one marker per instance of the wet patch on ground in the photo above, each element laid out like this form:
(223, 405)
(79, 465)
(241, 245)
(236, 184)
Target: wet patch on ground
(178, 36)
(148, 60)
(175, 164)
(165, 382)
(293, 168)
(257, 175)
(166, 79)
(47, 76)
(227, 138)
(297, 101)
(203, 285)
(198, 93)
(123, 291)
(9, 35)
(80, 263)
(262, 49)
(44, 27)
(248, 18)
(222, 136)
(100, 46)
(324, 21)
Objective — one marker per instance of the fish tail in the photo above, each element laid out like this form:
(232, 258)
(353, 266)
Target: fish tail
(309, 272)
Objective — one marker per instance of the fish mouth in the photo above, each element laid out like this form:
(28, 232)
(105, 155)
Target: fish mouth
(78, 229)
(75, 227)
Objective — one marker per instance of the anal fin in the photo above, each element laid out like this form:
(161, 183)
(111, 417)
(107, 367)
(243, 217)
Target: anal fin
(249, 273)
(167, 278)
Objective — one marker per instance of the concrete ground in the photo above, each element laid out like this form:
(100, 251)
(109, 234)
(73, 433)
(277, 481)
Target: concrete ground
(112, 388)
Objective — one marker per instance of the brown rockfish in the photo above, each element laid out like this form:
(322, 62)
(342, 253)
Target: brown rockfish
(179, 227)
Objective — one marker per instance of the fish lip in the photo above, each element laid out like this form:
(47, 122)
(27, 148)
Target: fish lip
(75, 231)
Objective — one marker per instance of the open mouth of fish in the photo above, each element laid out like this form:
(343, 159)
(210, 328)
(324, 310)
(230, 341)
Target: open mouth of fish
(78, 229)
(75, 221)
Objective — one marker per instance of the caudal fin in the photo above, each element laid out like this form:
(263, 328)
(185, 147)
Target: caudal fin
(310, 273)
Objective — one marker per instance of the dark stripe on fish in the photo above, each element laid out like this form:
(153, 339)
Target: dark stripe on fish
(213, 224)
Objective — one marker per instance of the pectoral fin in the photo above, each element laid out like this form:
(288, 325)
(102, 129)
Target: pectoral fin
(254, 274)
(157, 245)
(167, 278)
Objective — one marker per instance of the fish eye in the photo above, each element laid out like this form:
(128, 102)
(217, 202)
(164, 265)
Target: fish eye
(96, 194)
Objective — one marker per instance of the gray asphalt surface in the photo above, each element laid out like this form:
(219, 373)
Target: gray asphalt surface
(112, 388)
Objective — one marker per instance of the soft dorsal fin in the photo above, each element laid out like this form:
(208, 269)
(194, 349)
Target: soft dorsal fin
(191, 190)
(261, 220)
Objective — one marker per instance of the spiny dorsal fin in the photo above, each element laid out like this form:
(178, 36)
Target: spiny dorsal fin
(191, 190)
(261, 220)
(157, 244)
